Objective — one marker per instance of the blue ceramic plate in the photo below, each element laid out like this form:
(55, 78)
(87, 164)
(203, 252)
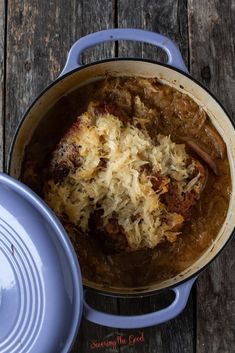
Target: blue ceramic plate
(40, 280)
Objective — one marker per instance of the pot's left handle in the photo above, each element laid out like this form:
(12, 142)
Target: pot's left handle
(173, 54)
(133, 322)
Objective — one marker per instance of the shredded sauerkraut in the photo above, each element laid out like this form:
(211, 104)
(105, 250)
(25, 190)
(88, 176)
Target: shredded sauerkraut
(111, 173)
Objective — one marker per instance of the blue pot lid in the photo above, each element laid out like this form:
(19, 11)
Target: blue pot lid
(40, 280)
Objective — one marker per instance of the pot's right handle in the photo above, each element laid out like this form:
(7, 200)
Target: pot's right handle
(139, 321)
(174, 56)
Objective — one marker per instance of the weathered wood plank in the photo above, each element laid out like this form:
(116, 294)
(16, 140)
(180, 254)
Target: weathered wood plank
(165, 17)
(2, 74)
(212, 56)
(212, 47)
(39, 35)
(96, 16)
(168, 18)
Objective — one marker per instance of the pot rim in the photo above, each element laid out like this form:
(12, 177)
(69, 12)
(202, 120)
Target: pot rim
(146, 292)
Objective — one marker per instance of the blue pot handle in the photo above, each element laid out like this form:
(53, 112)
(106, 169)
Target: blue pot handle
(139, 35)
(133, 322)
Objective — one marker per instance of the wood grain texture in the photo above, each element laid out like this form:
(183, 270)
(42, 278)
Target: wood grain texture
(168, 18)
(2, 75)
(212, 57)
(212, 47)
(165, 17)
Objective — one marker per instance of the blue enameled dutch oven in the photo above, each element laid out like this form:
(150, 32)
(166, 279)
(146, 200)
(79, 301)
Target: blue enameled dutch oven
(41, 297)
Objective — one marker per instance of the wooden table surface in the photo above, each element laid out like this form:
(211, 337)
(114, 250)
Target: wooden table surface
(35, 36)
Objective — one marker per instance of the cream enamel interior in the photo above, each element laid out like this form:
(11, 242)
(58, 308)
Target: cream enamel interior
(145, 69)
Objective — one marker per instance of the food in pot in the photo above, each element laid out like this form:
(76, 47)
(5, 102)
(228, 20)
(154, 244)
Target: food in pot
(142, 190)
(139, 178)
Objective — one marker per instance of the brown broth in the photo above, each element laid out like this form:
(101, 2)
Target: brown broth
(175, 114)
